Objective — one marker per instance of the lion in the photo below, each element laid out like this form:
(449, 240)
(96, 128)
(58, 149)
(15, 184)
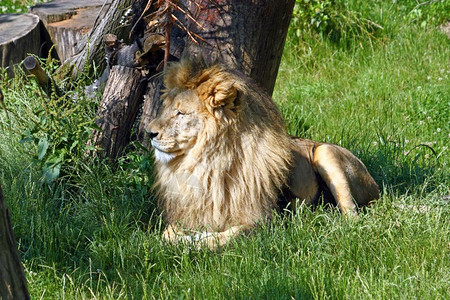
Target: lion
(224, 159)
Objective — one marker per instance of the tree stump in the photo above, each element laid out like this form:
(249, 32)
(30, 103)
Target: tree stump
(20, 34)
(118, 109)
(13, 284)
(68, 21)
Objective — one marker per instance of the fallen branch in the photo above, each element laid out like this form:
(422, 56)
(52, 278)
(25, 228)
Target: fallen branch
(32, 65)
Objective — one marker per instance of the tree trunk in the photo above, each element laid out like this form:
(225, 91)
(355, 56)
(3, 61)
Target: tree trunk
(149, 109)
(247, 35)
(19, 35)
(117, 112)
(13, 284)
(90, 48)
(68, 21)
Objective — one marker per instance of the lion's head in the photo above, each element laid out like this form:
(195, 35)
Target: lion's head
(176, 130)
(221, 148)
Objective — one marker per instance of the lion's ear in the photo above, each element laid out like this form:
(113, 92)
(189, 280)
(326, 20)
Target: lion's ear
(218, 94)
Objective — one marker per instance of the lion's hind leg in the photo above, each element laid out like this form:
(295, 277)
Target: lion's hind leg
(346, 176)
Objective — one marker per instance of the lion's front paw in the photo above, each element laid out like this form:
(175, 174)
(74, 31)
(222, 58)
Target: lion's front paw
(199, 240)
(173, 234)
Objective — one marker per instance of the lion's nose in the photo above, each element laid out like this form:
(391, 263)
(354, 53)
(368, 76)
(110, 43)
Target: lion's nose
(153, 134)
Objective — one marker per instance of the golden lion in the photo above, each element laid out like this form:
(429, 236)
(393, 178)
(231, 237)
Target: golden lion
(224, 158)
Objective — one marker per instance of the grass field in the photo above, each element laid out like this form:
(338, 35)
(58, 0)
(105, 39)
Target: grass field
(385, 96)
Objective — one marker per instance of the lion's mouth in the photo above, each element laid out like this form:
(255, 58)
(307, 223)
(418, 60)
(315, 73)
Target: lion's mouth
(163, 154)
(163, 157)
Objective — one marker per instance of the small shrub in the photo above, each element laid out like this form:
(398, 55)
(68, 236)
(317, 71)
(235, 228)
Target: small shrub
(427, 13)
(332, 18)
(17, 6)
(57, 127)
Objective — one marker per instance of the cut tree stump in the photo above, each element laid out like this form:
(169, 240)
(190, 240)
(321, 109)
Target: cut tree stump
(19, 35)
(13, 284)
(68, 21)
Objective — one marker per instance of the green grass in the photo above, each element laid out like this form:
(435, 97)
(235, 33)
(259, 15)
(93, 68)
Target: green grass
(95, 234)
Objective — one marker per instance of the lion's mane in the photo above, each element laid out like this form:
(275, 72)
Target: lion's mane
(240, 161)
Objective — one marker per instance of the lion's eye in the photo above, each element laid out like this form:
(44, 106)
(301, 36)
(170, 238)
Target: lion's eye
(179, 113)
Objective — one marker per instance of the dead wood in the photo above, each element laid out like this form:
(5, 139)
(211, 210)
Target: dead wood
(89, 48)
(118, 109)
(20, 34)
(68, 21)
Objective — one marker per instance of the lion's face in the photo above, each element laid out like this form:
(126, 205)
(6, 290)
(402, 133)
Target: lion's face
(188, 108)
(174, 132)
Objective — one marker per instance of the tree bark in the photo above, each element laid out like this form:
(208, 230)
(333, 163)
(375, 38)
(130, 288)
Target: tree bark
(13, 284)
(247, 35)
(118, 109)
(68, 21)
(149, 109)
(90, 49)
(20, 35)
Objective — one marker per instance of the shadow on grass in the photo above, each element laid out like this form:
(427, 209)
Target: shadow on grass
(280, 288)
(404, 171)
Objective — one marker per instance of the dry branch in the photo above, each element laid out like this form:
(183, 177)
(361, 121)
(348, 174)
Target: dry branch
(32, 65)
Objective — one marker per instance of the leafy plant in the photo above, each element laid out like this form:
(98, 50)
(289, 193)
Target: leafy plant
(17, 6)
(137, 164)
(433, 12)
(310, 14)
(332, 18)
(57, 126)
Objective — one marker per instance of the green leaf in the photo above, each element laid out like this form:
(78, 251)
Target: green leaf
(51, 172)
(52, 167)
(27, 139)
(42, 148)
(74, 144)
